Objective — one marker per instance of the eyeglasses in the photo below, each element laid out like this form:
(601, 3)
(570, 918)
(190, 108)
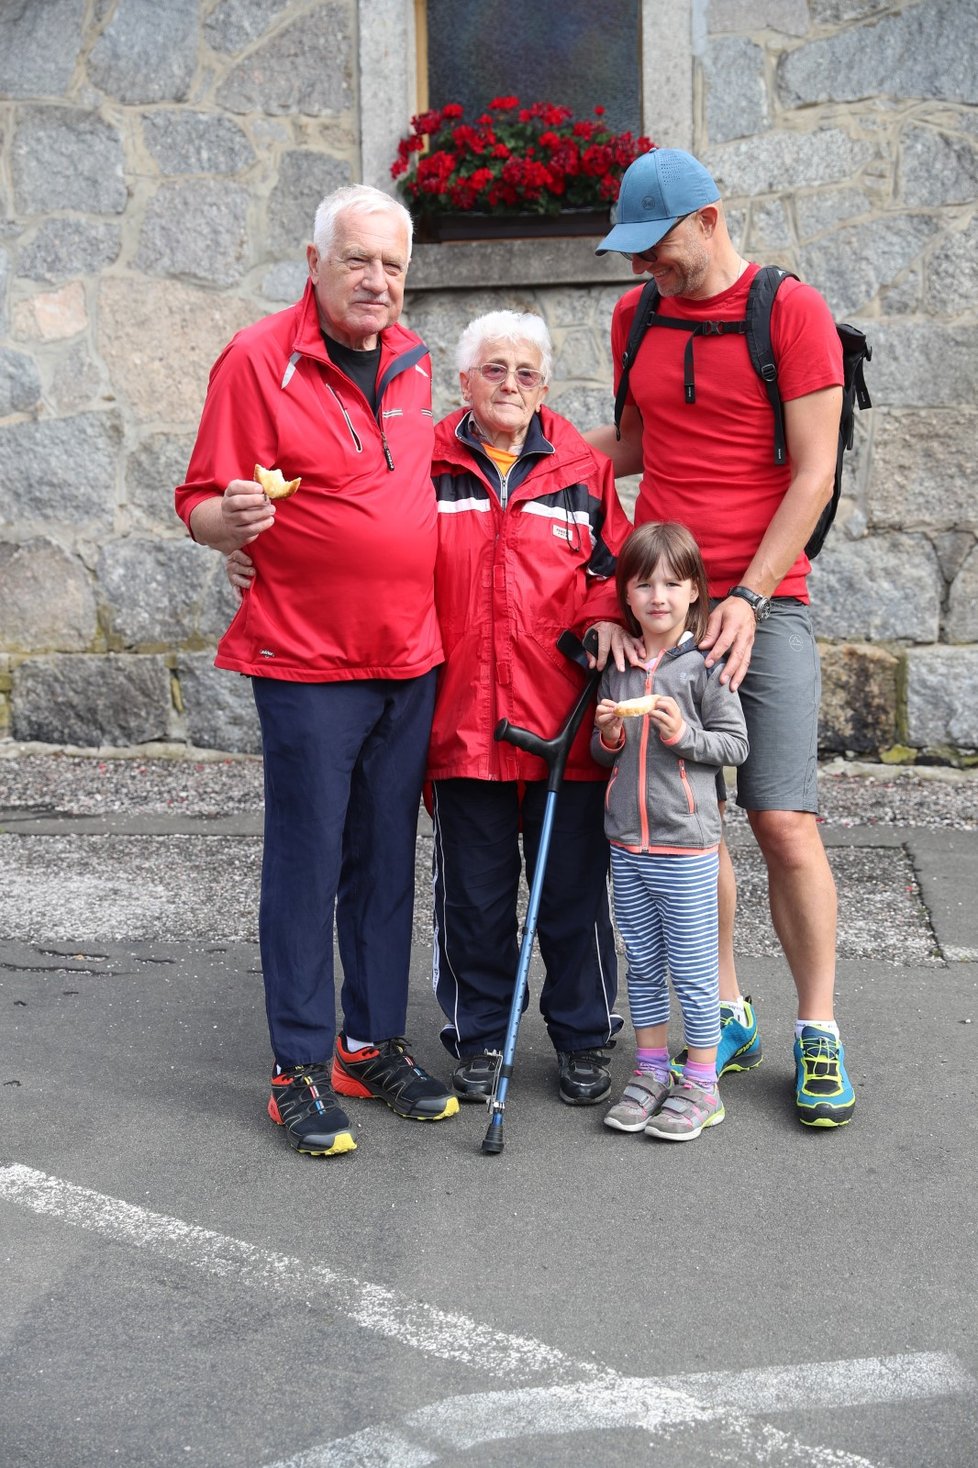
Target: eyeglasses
(644, 254)
(496, 372)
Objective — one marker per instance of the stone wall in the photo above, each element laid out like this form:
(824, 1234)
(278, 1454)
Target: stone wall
(159, 168)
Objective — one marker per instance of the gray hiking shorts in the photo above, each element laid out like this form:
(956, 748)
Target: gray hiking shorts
(780, 697)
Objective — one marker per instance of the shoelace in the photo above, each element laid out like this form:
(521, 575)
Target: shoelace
(310, 1083)
(821, 1058)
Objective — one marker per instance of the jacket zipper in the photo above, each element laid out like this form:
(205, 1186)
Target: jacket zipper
(643, 750)
(349, 423)
(687, 787)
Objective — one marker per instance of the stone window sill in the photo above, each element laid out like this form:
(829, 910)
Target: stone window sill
(468, 264)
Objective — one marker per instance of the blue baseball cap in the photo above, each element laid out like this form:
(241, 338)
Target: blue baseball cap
(656, 191)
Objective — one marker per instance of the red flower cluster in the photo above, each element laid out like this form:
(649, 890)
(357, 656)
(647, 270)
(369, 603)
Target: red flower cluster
(512, 159)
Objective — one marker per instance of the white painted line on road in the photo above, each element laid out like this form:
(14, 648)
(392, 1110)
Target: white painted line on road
(587, 1398)
(434, 1433)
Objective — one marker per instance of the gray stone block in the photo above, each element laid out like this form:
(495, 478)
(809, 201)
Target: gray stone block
(147, 51)
(152, 473)
(916, 53)
(20, 383)
(32, 619)
(63, 249)
(836, 12)
(770, 236)
(853, 264)
(962, 610)
(157, 594)
(790, 17)
(306, 68)
(736, 98)
(884, 588)
(215, 251)
(924, 364)
(76, 383)
(196, 142)
(942, 697)
(936, 169)
(235, 24)
(66, 470)
(285, 281)
(39, 45)
(4, 277)
(829, 208)
(857, 714)
(922, 471)
(951, 283)
(91, 700)
(586, 407)
(777, 160)
(67, 158)
(218, 706)
(304, 180)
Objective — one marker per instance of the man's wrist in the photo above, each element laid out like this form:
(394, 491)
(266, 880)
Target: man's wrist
(759, 605)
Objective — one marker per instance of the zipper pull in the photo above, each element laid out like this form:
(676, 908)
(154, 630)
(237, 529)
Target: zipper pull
(387, 452)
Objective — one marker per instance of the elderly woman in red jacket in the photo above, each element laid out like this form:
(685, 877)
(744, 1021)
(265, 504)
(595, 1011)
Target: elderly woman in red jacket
(529, 525)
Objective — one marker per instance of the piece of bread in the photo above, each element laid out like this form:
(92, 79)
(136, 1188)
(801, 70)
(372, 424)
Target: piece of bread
(634, 708)
(275, 484)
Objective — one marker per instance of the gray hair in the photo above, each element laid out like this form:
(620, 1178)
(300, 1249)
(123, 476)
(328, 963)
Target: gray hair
(504, 326)
(361, 199)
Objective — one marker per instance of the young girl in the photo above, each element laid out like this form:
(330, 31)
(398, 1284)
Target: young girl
(663, 823)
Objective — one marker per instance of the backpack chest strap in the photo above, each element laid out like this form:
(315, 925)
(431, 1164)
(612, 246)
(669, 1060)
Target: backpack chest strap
(695, 329)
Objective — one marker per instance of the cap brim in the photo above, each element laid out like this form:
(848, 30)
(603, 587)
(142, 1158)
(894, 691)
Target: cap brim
(632, 239)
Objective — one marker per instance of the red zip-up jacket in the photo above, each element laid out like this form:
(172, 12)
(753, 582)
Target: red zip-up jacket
(345, 577)
(508, 582)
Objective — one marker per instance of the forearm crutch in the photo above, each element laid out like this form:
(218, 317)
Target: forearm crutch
(554, 751)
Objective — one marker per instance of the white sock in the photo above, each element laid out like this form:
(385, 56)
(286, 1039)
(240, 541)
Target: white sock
(354, 1045)
(818, 1024)
(736, 1008)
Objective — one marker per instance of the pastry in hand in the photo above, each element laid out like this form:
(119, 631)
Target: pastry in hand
(275, 484)
(634, 708)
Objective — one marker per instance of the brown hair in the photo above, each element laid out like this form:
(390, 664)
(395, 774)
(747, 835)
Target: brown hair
(670, 542)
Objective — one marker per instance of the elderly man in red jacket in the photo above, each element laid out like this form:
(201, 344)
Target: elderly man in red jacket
(340, 639)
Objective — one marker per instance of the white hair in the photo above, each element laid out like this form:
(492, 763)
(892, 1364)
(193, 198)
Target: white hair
(504, 326)
(359, 199)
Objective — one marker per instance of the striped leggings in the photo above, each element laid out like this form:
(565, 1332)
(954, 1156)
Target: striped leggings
(666, 911)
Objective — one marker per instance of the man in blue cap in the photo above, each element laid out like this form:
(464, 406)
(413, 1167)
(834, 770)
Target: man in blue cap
(697, 425)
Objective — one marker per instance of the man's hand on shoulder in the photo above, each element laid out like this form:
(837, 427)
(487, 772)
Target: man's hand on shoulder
(730, 635)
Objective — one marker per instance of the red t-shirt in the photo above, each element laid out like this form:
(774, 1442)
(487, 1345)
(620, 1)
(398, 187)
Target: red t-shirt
(710, 464)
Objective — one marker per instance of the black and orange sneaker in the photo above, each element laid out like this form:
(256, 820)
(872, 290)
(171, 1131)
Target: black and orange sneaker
(302, 1101)
(388, 1072)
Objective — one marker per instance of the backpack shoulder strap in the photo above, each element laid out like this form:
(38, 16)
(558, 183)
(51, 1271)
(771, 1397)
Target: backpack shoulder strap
(760, 300)
(648, 301)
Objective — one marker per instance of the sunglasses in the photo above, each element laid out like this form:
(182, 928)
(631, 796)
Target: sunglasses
(496, 373)
(645, 254)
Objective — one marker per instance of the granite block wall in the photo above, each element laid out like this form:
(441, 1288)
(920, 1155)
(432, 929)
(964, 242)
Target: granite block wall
(159, 168)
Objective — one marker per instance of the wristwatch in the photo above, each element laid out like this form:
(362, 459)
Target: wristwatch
(760, 605)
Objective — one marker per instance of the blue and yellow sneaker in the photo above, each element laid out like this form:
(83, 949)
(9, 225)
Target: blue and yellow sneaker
(740, 1045)
(823, 1094)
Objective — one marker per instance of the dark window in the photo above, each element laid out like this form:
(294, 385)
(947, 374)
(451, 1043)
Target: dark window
(577, 53)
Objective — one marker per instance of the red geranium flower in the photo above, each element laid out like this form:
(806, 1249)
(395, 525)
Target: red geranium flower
(514, 158)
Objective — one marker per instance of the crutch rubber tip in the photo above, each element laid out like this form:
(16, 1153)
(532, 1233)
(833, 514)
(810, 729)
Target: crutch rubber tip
(492, 1142)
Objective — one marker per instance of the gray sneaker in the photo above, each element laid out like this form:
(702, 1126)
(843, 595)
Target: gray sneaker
(641, 1100)
(685, 1112)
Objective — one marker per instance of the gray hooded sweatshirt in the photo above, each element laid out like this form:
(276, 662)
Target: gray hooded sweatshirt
(662, 797)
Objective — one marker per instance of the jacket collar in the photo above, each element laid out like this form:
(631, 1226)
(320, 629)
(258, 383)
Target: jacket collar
(536, 441)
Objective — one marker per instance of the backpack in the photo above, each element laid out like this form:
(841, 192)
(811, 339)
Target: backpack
(756, 326)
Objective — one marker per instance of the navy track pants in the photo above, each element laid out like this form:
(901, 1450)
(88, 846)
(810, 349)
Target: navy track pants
(477, 867)
(344, 765)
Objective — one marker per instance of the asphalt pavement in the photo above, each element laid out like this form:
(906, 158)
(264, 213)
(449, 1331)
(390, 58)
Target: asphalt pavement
(180, 1288)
